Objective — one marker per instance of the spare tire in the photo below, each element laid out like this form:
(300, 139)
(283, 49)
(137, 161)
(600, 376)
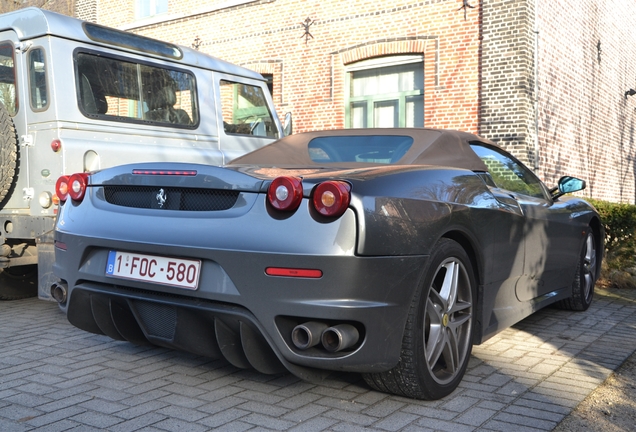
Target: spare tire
(17, 282)
(8, 152)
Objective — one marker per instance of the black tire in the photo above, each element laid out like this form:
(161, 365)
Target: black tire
(438, 337)
(584, 278)
(8, 152)
(19, 282)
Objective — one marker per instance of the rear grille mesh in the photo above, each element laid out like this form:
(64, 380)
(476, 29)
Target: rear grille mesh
(159, 320)
(170, 198)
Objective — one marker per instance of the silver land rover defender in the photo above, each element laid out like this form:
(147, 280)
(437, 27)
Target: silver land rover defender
(77, 96)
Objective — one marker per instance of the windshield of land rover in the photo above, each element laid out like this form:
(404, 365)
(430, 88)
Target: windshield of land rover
(122, 90)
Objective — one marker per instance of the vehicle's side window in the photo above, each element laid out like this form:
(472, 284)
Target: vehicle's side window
(8, 91)
(37, 80)
(509, 174)
(245, 110)
(115, 89)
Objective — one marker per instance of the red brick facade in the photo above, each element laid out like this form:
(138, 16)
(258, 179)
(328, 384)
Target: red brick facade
(524, 73)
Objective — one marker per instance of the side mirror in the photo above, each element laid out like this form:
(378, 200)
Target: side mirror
(568, 184)
(287, 125)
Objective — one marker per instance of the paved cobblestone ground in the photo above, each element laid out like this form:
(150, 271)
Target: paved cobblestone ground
(54, 377)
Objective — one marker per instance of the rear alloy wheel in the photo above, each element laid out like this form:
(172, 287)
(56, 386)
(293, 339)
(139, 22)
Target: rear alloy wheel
(439, 330)
(584, 279)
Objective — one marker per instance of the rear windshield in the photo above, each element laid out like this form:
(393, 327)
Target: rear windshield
(123, 90)
(383, 149)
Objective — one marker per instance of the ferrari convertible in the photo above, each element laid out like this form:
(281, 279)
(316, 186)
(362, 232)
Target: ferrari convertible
(388, 252)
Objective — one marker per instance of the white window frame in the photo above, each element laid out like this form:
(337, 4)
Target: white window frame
(368, 102)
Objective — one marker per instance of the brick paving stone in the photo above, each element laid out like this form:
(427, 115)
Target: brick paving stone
(141, 410)
(382, 409)
(221, 393)
(268, 422)
(430, 412)
(136, 399)
(137, 423)
(182, 401)
(17, 412)
(304, 413)
(351, 417)
(526, 378)
(262, 408)
(315, 424)
(537, 423)
(103, 406)
(541, 414)
(174, 425)
(446, 426)
(59, 426)
(235, 426)
(460, 404)
(28, 399)
(342, 404)
(96, 419)
(475, 416)
(395, 421)
(181, 413)
(300, 400)
(223, 417)
(351, 427)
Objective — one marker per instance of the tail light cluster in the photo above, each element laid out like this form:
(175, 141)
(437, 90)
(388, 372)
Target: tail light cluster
(73, 186)
(330, 198)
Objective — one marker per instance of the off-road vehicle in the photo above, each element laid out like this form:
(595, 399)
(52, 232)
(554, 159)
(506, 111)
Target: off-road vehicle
(78, 97)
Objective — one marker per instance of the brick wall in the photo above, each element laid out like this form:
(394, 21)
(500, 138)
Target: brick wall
(557, 107)
(309, 75)
(86, 10)
(507, 114)
(586, 125)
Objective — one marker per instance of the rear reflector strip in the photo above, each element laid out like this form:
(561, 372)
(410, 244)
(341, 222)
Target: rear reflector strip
(60, 245)
(293, 272)
(165, 172)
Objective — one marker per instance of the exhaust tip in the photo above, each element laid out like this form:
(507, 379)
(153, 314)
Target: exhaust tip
(58, 292)
(339, 337)
(307, 335)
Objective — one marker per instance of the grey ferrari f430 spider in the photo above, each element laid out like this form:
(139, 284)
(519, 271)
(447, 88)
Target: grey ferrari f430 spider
(388, 252)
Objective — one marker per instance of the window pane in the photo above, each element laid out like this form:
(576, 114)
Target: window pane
(509, 174)
(414, 115)
(148, 8)
(386, 80)
(385, 114)
(37, 79)
(7, 79)
(245, 110)
(109, 88)
(358, 114)
(396, 92)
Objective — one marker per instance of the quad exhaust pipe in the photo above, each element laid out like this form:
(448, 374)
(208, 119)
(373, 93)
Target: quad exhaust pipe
(333, 339)
(58, 292)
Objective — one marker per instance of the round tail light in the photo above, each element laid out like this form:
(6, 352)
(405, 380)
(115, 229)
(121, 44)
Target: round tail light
(332, 198)
(77, 186)
(285, 193)
(61, 188)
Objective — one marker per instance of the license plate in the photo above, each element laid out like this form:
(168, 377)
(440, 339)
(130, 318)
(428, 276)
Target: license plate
(176, 272)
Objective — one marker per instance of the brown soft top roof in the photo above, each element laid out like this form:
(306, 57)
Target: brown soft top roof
(439, 147)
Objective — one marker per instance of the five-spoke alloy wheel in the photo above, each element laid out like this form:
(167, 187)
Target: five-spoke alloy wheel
(438, 336)
(584, 278)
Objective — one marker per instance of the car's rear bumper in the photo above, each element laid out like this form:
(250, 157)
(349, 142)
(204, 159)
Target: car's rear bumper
(240, 313)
